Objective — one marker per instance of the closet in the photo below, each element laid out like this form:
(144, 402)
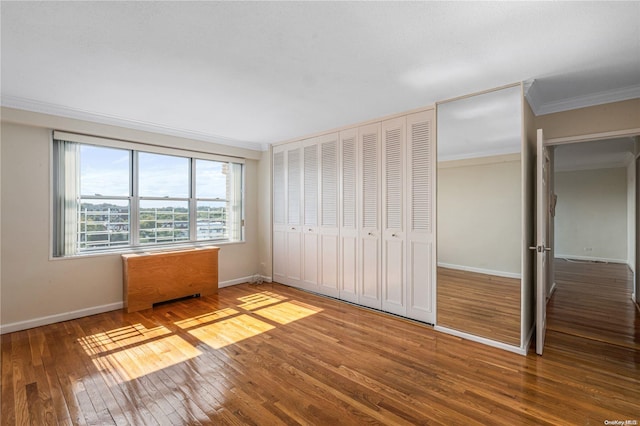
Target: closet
(353, 214)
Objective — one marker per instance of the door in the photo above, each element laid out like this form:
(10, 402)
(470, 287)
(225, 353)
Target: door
(369, 273)
(393, 219)
(328, 231)
(421, 257)
(348, 218)
(543, 165)
(310, 215)
(293, 267)
(279, 215)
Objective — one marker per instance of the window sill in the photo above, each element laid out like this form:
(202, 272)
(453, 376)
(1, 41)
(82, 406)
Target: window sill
(150, 249)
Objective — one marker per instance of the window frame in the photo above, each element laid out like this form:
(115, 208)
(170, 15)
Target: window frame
(135, 199)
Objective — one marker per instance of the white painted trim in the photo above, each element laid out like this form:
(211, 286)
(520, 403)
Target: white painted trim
(599, 98)
(63, 111)
(528, 340)
(480, 270)
(65, 316)
(242, 280)
(597, 166)
(594, 137)
(571, 257)
(515, 349)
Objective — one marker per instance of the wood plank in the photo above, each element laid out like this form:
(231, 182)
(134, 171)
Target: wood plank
(324, 362)
(479, 304)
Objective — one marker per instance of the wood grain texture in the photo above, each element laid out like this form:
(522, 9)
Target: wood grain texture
(157, 277)
(479, 304)
(269, 355)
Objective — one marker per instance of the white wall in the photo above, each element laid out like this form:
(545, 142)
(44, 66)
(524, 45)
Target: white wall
(591, 214)
(37, 289)
(480, 214)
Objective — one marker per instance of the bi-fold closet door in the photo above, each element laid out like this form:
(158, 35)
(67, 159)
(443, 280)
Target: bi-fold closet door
(363, 228)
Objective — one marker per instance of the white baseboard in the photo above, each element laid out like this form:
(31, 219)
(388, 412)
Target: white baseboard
(480, 270)
(589, 258)
(65, 316)
(242, 280)
(515, 349)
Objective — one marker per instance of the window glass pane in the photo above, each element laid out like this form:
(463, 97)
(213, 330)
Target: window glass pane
(104, 171)
(211, 179)
(163, 221)
(103, 224)
(212, 220)
(163, 176)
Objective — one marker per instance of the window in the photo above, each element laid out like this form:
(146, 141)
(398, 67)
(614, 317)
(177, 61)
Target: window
(114, 196)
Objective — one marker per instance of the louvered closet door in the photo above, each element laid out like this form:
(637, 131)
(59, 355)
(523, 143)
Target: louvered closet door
(328, 230)
(369, 272)
(420, 216)
(393, 216)
(294, 215)
(310, 215)
(348, 216)
(279, 214)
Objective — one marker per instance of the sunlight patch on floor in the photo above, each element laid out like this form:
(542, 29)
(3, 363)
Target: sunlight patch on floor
(206, 318)
(117, 338)
(259, 300)
(286, 312)
(230, 331)
(146, 358)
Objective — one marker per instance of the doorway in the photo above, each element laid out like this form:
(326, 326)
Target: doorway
(594, 241)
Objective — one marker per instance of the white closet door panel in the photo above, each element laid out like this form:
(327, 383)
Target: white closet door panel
(348, 253)
(294, 258)
(349, 179)
(310, 260)
(329, 182)
(370, 251)
(421, 214)
(370, 189)
(393, 216)
(421, 268)
(369, 294)
(329, 264)
(310, 194)
(349, 267)
(279, 255)
(393, 297)
(294, 186)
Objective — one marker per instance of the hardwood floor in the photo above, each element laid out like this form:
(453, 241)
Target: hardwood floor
(479, 304)
(271, 355)
(593, 300)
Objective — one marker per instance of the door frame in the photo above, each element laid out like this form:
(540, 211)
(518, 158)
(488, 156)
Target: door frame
(590, 137)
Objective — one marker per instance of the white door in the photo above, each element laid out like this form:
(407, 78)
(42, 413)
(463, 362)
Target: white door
(421, 167)
(294, 216)
(328, 230)
(542, 248)
(369, 273)
(348, 217)
(393, 219)
(310, 213)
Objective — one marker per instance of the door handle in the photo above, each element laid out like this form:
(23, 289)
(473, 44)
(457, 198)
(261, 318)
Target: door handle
(540, 248)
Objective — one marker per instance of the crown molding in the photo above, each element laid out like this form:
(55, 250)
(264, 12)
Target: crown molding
(539, 107)
(63, 111)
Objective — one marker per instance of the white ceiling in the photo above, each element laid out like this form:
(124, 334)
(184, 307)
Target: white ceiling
(250, 73)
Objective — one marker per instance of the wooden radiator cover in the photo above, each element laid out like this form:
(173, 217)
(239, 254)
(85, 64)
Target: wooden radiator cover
(157, 277)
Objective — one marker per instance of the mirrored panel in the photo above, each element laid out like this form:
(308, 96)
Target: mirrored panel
(479, 217)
